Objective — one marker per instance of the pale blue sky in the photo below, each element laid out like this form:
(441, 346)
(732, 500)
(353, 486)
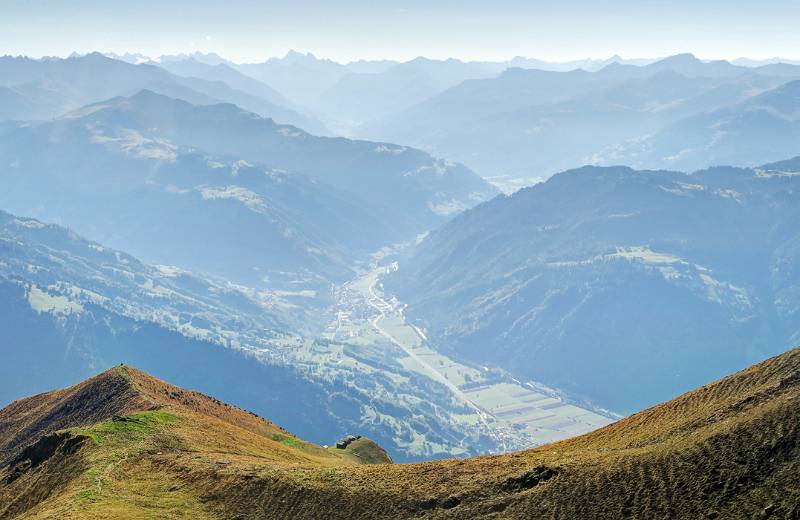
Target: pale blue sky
(249, 30)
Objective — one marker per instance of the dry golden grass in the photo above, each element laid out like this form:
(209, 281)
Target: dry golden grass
(727, 450)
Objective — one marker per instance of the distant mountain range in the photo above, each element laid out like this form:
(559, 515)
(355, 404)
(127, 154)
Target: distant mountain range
(300, 77)
(223, 72)
(620, 287)
(748, 62)
(164, 179)
(759, 129)
(532, 123)
(50, 87)
(314, 81)
(351, 94)
(522, 119)
(361, 97)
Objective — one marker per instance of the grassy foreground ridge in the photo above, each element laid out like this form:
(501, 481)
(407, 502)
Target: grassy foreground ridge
(126, 445)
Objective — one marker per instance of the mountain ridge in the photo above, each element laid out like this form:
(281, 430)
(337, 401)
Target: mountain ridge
(528, 123)
(755, 130)
(69, 307)
(55, 86)
(728, 449)
(317, 203)
(610, 270)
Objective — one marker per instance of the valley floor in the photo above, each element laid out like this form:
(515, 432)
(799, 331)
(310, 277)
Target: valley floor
(517, 415)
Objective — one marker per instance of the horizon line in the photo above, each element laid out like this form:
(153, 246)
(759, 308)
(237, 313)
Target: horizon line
(553, 61)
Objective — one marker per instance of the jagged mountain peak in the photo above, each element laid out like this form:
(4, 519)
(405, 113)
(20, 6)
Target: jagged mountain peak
(683, 58)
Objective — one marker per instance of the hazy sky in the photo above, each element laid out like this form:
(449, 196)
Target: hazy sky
(249, 30)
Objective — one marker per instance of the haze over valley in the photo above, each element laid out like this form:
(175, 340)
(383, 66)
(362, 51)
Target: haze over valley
(363, 271)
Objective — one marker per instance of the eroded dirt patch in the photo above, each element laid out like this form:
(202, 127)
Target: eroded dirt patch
(529, 479)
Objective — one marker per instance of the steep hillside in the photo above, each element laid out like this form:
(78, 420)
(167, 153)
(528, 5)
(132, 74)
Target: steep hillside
(103, 439)
(121, 186)
(760, 129)
(412, 189)
(70, 307)
(615, 285)
(119, 170)
(126, 445)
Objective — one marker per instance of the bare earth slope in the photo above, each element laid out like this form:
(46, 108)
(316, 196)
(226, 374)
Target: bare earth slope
(727, 450)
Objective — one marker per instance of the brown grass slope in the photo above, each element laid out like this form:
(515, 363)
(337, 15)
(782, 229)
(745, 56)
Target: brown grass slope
(726, 450)
(96, 399)
(121, 444)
